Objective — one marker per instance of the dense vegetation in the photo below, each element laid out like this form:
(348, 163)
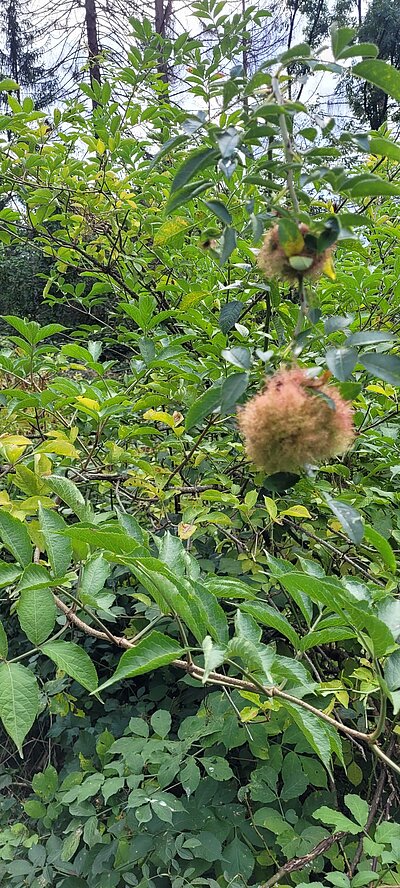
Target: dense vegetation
(200, 675)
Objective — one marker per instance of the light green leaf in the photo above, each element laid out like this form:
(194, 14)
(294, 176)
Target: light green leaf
(37, 613)
(19, 701)
(161, 722)
(15, 537)
(337, 820)
(340, 38)
(150, 653)
(358, 807)
(73, 660)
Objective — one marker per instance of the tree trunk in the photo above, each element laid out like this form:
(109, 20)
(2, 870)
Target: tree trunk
(93, 44)
(162, 10)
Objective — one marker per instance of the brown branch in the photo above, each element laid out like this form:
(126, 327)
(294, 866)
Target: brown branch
(297, 863)
(372, 811)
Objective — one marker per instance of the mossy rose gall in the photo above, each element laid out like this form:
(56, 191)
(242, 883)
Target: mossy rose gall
(295, 421)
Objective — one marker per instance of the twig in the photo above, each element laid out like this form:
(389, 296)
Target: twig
(297, 863)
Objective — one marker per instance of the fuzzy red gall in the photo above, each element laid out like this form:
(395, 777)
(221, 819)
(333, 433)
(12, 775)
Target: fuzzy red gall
(274, 261)
(295, 421)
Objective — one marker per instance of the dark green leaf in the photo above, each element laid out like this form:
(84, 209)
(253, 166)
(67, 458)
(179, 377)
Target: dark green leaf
(232, 389)
(341, 362)
(197, 161)
(229, 315)
(150, 653)
(220, 210)
(206, 404)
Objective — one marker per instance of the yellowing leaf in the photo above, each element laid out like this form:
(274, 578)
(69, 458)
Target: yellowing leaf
(88, 402)
(59, 447)
(185, 531)
(192, 298)
(169, 229)
(296, 512)
(380, 390)
(271, 507)
(295, 246)
(329, 269)
(13, 447)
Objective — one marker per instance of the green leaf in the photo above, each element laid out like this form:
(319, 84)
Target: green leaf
(384, 147)
(382, 546)
(237, 860)
(366, 50)
(341, 37)
(3, 643)
(370, 337)
(300, 51)
(220, 211)
(71, 495)
(34, 809)
(313, 729)
(45, 783)
(161, 722)
(37, 613)
(386, 367)
(325, 636)
(73, 660)
(348, 516)
(206, 404)
(295, 781)
(94, 575)
(213, 657)
(268, 616)
(186, 194)
(9, 574)
(381, 74)
(337, 820)
(197, 161)
(239, 356)
(368, 185)
(228, 244)
(19, 701)
(229, 315)
(341, 362)
(232, 389)
(15, 537)
(190, 776)
(8, 85)
(150, 653)
(358, 807)
(58, 546)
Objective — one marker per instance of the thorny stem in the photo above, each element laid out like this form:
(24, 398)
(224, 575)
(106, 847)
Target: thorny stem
(250, 683)
(287, 145)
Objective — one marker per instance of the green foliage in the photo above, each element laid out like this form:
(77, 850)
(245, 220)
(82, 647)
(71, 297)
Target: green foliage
(208, 656)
